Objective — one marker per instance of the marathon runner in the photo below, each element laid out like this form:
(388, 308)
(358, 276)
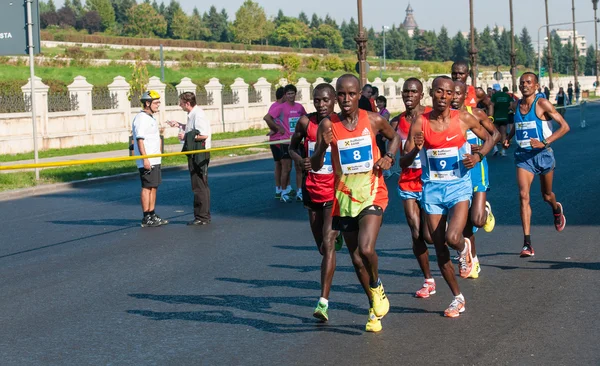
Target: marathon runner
(440, 137)
(318, 192)
(534, 156)
(480, 214)
(360, 192)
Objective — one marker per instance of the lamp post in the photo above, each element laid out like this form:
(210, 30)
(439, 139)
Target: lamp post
(361, 43)
(383, 28)
(513, 54)
(575, 55)
(550, 85)
(595, 3)
(473, 50)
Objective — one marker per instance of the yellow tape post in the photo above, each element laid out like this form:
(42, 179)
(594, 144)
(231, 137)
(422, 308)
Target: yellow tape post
(129, 158)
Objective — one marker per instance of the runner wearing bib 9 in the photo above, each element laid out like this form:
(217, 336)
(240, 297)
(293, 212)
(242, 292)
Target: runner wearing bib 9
(318, 192)
(480, 214)
(360, 192)
(534, 156)
(410, 187)
(440, 138)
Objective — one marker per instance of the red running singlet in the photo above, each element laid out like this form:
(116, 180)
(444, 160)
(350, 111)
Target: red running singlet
(410, 178)
(319, 185)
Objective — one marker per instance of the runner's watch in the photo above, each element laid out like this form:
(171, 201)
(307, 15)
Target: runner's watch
(389, 155)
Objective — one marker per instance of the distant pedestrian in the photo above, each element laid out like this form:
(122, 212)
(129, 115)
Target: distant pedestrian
(197, 135)
(146, 141)
(570, 92)
(561, 101)
(577, 92)
(547, 92)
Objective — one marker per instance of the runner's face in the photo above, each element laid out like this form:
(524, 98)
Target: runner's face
(324, 102)
(290, 96)
(348, 94)
(412, 93)
(442, 94)
(460, 73)
(528, 85)
(459, 97)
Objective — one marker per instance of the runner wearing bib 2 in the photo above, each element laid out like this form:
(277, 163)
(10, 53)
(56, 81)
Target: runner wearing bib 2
(410, 186)
(360, 191)
(533, 134)
(480, 213)
(440, 137)
(318, 192)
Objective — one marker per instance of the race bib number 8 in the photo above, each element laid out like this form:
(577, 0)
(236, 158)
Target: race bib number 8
(356, 154)
(416, 164)
(327, 167)
(293, 123)
(443, 164)
(525, 131)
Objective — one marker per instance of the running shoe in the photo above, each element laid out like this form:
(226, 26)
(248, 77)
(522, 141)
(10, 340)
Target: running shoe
(495, 150)
(560, 221)
(149, 221)
(160, 220)
(466, 261)
(427, 290)
(291, 193)
(277, 195)
(527, 251)
(374, 322)
(475, 271)
(490, 222)
(321, 312)
(285, 197)
(299, 196)
(339, 242)
(381, 305)
(456, 307)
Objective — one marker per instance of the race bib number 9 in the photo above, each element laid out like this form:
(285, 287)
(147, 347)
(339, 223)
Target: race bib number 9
(293, 123)
(327, 167)
(356, 154)
(524, 132)
(443, 164)
(416, 164)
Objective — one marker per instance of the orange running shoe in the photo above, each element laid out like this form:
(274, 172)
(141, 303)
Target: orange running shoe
(466, 260)
(456, 307)
(527, 251)
(427, 290)
(560, 221)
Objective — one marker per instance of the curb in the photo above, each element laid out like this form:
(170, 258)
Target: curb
(60, 187)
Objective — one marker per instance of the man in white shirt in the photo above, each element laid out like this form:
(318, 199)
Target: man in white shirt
(197, 136)
(146, 137)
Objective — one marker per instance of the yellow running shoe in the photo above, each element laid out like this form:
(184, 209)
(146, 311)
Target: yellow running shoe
(490, 222)
(381, 305)
(475, 271)
(374, 322)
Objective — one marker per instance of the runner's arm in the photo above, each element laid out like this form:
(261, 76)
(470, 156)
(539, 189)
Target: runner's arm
(550, 112)
(487, 124)
(485, 99)
(296, 140)
(274, 126)
(414, 141)
(324, 138)
(472, 123)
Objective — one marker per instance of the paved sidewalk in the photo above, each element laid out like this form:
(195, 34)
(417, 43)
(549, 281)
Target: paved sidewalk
(120, 153)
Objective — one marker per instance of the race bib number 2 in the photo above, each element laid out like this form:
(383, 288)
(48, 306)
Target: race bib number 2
(443, 164)
(327, 167)
(356, 154)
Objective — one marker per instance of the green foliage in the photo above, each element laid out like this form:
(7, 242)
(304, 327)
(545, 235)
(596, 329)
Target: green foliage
(349, 65)
(249, 24)
(313, 63)
(292, 33)
(333, 63)
(104, 9)
(145, 21)
(326, 36)
(139, 79)
(444, 45)
(459, 47)
(291, 63)
(180, 25)
(590, 62)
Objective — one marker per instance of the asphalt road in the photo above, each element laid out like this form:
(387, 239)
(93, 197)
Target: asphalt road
(83, 284)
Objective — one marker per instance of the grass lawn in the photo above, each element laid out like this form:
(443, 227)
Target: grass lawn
(18, 180)
(122, 146)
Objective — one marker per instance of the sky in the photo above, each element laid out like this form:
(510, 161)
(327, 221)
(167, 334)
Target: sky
(429, 14)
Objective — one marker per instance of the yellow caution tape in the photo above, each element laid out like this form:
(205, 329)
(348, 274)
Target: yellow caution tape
(138, 157)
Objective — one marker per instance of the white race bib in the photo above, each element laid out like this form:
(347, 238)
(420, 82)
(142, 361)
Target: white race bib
(472, 138)
(443, 164)
(356, 154)
(524, 132)
(327, 167)
(416, 164)
(293, 123)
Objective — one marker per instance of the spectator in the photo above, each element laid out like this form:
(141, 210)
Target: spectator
(196, 134)
(365, 98)
(502, 101)
(570, 92)
(547, 92)
(577, 91)
(277, 133)
(561, 101)
(381, 141)
(146, 141)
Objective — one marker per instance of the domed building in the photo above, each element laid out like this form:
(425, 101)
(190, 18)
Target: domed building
(410, 24)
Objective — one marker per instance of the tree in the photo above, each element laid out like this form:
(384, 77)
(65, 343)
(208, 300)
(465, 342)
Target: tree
(444, 45)
(226, 36)
(180, 25)
(529, 53)
(66, 17)
(198, 29)
(315, 21)
(459, 48)
(280, 18)
(120, 7)
(503, 44)
(303, 18)
(292, 33)
(398, 45)
(144, 21)
(105, 10)
(330, 21)
(249, 24)
(174, 7)
(78, 8)
(48, 18)
(328, 37)
(348, 33)
(425, 45)
(91, 22)
(488, 49)
(51, 7)
(590, 62)
(215, 24)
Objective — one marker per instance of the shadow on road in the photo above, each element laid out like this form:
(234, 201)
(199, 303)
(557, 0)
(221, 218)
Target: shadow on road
(592, 266)
(349, 269)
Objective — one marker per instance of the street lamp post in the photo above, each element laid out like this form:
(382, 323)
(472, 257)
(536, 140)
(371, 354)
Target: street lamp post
(550, 85)
(595, 3)
(361, 43)
(473, 50)
(383, 28)
(575, 55)
(513, 54)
